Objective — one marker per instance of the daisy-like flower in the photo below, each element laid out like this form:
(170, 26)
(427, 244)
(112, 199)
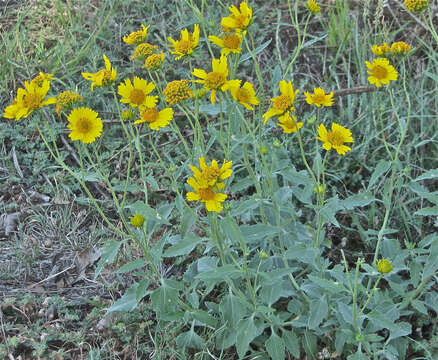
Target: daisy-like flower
(154, 118)
(216, 79)
(384, 266)
(136, 94)
(245, 95)
(289, 123)
(40, 78)
(186, 43)
(66, 99)
(209, 175)
(142, 51)
(313, 6)
(381, 72)
(154, 62)
(103, 77)
(335, 138)
(137, 220)
(400, 48)
(381, 50)
(85, 125)
(282, 103)
(137, 37)
(177, 91)
(416, 5)
(28, 100)
(319, 98)
(230, 43)
(238, 20)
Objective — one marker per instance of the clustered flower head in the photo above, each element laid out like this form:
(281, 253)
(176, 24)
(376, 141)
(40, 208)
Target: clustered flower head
(137, 220)
(155, 118)
(384, 266)
(66, 99)
(313, 6)
(186, 43)
(319, 97)
(381, 72)
(85, 125)
(136, 93)
(229, 42)
(284, 102)
(416, 5)
(397, 48)
(239, 19)
(104, 77)
(143, 50)
(245, 95)
(177, 91)
(335, 138)
(40, 78)
(153, 62)
(289, 123)
(137, 37)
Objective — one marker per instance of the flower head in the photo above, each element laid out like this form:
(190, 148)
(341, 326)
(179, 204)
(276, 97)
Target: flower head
(245, 95)
(209, 175)
(103, 77)
(127, 115)
(137, 37)
(136, 94)
(384, 266)
(153, 62)
(289, 123)
(28, 100)
(66, 99)
(238, 20)
(85, 125)
(177, 91)
(416, 5)
(40, 78)
(400, 48)
(216, 79)
(381, 72)
(154, 118)
(319, 97)
(381, 50)
(137, 220)
(313, 6)
(142, 51)
(335, 138)
(230, 43)
(186, 43)
(282, 103)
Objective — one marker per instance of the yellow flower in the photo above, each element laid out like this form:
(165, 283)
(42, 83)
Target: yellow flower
(142, 51)
(216, 79)
(186, 44)
(313, 6)
(66, 99)
(154, 118)
(154, 61)
(400, 48)
(137, 37)
(380, 50)
(127, 115)
(284, 102)
(319, 97)
(415, 5)
(85, 125)
(209, 175)
(28, 100)
(381, 72)
(103, 77)
(177, 91)
(136, 94)
(245, 95)
(40, 78)
(335, 138)
(384, 266)
(238, 20)
(289, 123)
(137, 220)
(230, 43)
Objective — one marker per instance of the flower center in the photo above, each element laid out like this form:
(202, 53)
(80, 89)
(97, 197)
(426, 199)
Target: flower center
(150, 115)
(243, 95)
(335, 138)
(84, 125)
(32, 101)
(137, 96)
(282, 103)
(379, 72)
(241, 21)
(106, 76)
(183, 46)
(215, 80)
(206, 194)
(318, 98)
(232, 41)
(211, 174)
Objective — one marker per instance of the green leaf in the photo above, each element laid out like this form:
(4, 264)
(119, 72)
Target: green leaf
(127, 302)
(381, 168)
(357, 356)
(210, 109)
(329, 285)
(243, 207)
(259, 49)
(109, 254)
(358, 200)
(183, 247)
(187, 222)
(275, 347)
(316, 39)
(291, 342)
(204, 317)
(427, 211)
(232, 309)
(165, 299)
(190, 339)
(318, 311)
(258, 232)
(132, 265)
(431, 265)
(246, 332)
(220, 273)
(329, 210)
(242, 185)
(431, 174)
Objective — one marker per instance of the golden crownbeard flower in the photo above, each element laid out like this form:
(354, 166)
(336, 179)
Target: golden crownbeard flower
(137, 220)
(28, 100)
(416, 5)
(66, 99)
(238, 20)
(40, 78)
(313, 6)
(85, 125)
(216, 79)
(381, 50)
(335, 138)
(154, 62)
(177, 91)
(245, 95)
(154, 118)
(127, 115)
(142, 51)
(381, 72)
(103, 77)
(384, 266)
(319, 97)
(209, 175)
(400, 48)
(137, 37)
(186, 43)
(289, 123)
(230, 43)
(136, 95)
(282, 103)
